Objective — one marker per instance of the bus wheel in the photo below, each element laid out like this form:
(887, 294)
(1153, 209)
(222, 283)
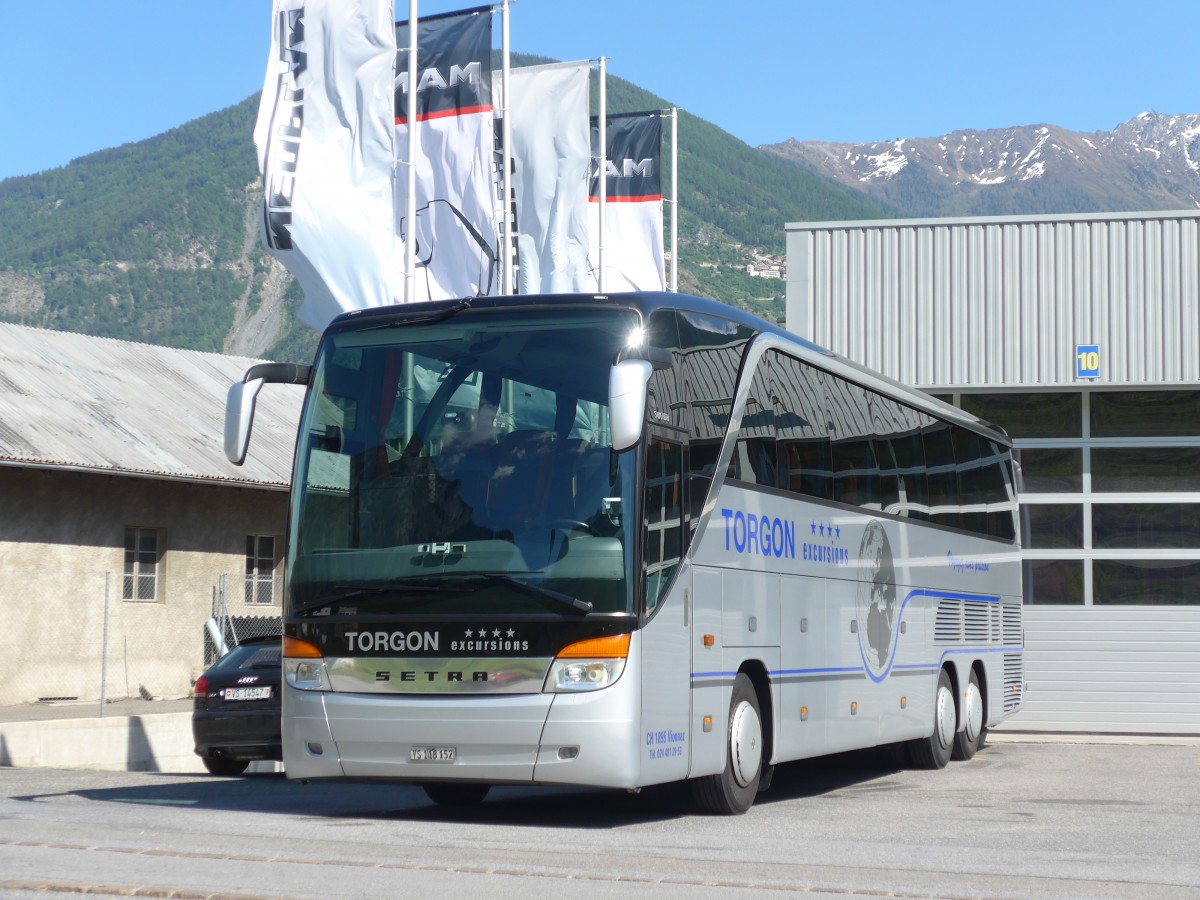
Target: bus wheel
(732, 791)
(933, 752)
(968, 741)
(456, 793)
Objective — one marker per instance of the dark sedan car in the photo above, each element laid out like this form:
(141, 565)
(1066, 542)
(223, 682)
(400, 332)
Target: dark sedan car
(235, 716)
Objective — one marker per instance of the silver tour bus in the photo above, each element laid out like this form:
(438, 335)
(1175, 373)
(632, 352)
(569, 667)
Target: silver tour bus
(628, 539)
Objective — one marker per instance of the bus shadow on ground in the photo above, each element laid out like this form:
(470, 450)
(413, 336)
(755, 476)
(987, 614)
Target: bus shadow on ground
(272, 793)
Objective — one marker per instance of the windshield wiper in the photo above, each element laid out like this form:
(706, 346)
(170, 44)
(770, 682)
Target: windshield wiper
(536, 590)
(464, 303)
(341, 592)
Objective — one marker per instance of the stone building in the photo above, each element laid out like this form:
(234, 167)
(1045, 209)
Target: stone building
(123, 528)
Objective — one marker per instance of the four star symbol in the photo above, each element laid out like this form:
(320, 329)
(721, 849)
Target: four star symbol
(832, 531)
(483, 632)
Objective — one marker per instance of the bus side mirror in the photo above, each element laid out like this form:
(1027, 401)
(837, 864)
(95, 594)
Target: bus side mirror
(239, 418)
(627, 382)
(239, 405)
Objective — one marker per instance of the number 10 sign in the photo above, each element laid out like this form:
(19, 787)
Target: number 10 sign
(1087, 360)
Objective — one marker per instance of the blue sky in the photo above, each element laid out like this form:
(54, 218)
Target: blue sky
(83, 76)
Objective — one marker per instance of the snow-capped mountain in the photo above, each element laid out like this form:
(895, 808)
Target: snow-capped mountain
(1151, 162)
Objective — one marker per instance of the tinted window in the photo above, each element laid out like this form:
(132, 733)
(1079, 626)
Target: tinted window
(1044, 414)
(901, 464)
(665, 389)
(943, 477)
(1145, 413)
(1146, 469)
(1057, 526)
(855, 469)
(909, 453)
(251, 656)
(1054, 470)
(754, 454)
(977, 481)
(712, 350)
(1145, 525)
(805, 463)
(1167, 582)
(1057, 581)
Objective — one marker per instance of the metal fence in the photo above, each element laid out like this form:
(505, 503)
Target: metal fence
(224, 630)
(106, 648)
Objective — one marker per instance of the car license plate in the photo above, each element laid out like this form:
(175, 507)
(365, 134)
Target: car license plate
(432, 754)
(248, 693)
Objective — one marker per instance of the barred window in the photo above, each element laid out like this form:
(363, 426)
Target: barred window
(260, 568)
(142, 565)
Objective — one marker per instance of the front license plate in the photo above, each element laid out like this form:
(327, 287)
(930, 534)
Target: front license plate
(432, 754)
(248, 693)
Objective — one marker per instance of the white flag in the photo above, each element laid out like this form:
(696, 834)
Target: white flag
(551, 149)
(324, 137)
(455, 231)
(633, 217)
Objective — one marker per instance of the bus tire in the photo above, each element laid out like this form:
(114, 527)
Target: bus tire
(456, 793)
(933, 752)
(968, 741)
(732, 791)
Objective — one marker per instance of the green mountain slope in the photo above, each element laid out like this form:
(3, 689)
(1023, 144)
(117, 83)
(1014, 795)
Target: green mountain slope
(143, 242)
(158, 241)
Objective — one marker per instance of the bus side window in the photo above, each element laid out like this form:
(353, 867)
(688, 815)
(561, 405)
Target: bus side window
(855, 469)
(972, 485)
(712, 349)
(666, 389)
(805, 464)
(1001, 495)
(662, 518)
(754, 454)
(909, 452)
(900, 454)
(943, 478)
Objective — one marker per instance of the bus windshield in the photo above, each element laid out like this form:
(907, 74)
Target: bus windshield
(464, 466)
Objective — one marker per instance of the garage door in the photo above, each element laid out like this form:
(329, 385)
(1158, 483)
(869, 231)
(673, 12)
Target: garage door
(1111, 670)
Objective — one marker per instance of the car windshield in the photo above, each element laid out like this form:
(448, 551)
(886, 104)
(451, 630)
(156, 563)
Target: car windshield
(463, 464)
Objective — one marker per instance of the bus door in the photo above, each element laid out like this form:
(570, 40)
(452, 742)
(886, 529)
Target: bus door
(666, 613)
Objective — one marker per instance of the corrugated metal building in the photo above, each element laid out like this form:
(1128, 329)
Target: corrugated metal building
(1081, 336)
(120, 516)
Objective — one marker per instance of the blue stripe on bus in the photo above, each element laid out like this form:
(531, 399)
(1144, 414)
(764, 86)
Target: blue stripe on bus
(931, 666)
(909, 667)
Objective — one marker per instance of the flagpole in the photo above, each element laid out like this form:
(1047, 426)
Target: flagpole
(603, 178)
(506, 243)
(410, 213)
(675, 198)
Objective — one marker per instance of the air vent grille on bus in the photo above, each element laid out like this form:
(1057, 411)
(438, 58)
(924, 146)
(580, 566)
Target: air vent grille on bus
(1013, 678)
(977, 615)
(947, 628)
(1012, 623)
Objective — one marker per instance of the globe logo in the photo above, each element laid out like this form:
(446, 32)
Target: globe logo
(876, 601)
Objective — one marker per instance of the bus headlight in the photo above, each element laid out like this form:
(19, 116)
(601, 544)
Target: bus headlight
(304, 665)
(588, 665)
(583, 674)
(306, 674)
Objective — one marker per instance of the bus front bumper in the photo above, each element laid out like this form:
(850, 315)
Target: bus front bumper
(588, 738)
